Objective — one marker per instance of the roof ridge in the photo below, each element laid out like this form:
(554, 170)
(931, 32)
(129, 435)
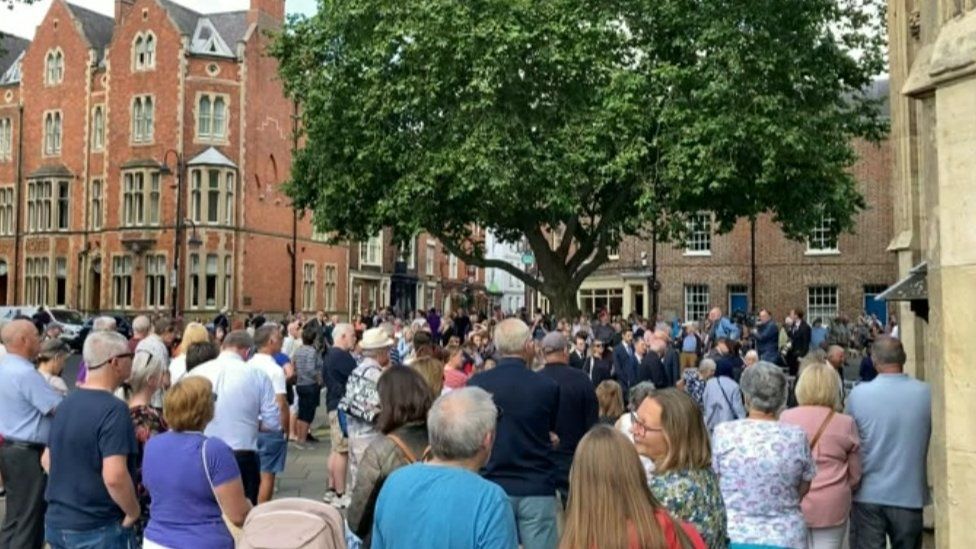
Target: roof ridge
(72, 6)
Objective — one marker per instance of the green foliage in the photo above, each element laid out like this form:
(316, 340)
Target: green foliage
(582, 117)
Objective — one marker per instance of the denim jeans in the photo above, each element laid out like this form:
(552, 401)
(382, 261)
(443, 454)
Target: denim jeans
(871, 524)
(113, 536)
(535, 517)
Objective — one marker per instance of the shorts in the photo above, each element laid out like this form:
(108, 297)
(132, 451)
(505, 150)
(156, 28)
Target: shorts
(340, 444)
(308, 401)
(272, 452)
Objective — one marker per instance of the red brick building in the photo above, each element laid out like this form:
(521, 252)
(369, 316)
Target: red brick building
(141, 162)
(826, 275)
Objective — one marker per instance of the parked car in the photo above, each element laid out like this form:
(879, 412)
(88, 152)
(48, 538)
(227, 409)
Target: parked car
(71, 321)
(122, 326)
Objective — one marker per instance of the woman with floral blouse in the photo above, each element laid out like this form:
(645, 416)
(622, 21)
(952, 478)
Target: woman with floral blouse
(147, 377)
(668, 428)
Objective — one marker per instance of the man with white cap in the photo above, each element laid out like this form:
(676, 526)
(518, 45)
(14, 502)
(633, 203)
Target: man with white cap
(361, 403)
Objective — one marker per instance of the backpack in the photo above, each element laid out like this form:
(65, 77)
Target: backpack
(293, 523)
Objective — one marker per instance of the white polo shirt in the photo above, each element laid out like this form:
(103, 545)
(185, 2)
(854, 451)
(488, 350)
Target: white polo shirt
(245, 401)
(267, 364)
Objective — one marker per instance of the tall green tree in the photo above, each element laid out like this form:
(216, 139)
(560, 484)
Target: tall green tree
(572, 123)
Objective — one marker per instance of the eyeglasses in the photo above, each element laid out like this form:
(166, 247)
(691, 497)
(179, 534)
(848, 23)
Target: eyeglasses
(499, 413)
(642, 427)
(116, 357)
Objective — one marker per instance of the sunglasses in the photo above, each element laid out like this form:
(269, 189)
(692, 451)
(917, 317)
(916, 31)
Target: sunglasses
(116, 357)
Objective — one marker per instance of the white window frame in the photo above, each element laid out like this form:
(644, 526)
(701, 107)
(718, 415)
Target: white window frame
(429, 259)
(309, 289)
(202, 193)
(98, 128)
(613, 245)
(54, 67)
(60, 275)
(823, 301)
(6, 210)
(122, 268)
(371, 251)
(696, 302)
(37, 280)
(210, 128)
(144, 51)
(97, 203)
(53, 127)
(452, 266)
(155, 281)
(141, 204)
(699, 239)
(823, 239)
(329, 292)
(43, 206)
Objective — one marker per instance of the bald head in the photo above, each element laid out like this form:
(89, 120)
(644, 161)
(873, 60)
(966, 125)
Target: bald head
(888, 354)
(21, 339)
(835, 356)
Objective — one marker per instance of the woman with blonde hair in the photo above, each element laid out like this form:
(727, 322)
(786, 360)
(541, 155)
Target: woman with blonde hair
(612, 507)
(668, 428)
(835, 444)
(193, 333)
(610, 397)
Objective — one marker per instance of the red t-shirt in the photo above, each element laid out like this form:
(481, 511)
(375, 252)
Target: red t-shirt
(667, 527)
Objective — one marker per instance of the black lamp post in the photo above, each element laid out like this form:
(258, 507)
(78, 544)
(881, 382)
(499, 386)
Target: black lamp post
(178, 229)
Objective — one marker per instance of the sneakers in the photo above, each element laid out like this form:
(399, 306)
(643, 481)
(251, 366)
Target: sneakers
(330, 496)
(311, 438)
(337, 501)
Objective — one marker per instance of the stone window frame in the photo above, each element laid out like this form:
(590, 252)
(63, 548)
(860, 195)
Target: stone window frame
(98, 127)
(309, 285)
(142, 130)
(146, 203)
(44, 209)
(59, 273)
(200, 193)
(122, 280)
(54, 67)
(452, 266)
(144, 44)
(52, 136)
(371, 251)
(430, 262)
(155, 277)
(330, 286)
(97, 200)
(196, 266)
(823, 301)
(37, 280)
(6, 139)
(7, 201)
(613, 245)
(208, 136)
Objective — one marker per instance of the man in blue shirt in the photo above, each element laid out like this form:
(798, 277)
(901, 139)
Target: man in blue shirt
(894, 418)
(26, 405)
(91, 496)
(521, 462)
(445, 504)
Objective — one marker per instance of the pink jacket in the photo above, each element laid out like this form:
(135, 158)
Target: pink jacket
(828, 503)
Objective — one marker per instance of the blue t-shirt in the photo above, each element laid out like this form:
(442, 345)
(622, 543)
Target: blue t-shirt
(435, 506)
(89, 426)
(184, 512)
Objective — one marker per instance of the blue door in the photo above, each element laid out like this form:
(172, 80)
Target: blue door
(875, 307)
(738, 303)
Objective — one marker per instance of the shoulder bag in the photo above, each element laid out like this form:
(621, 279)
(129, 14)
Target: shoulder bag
(820, 431)
(233, 529)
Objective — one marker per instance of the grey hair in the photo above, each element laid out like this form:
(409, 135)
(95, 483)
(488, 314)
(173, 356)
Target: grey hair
(459, 421)
(141, 324)
(264, 334)
(510, 336)
(752, 353)
(888, 350)
(104, 324)
(764, 387)
(101, 346)
(640, 392)
(238, 339)
(707, 366)
(342, 328)
(145, 366)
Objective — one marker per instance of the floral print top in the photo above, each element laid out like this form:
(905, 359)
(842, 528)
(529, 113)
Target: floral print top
(695, 386)
(148, 422)
(760, 465)
(694, 497)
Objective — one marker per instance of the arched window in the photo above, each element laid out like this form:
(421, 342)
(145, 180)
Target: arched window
(98, 128)
(54, 67)
(144, 52)
(150, 52)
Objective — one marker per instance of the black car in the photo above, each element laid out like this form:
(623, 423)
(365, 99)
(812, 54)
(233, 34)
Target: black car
(122, 326)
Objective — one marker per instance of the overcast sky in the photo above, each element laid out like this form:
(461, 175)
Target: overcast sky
(22, 20)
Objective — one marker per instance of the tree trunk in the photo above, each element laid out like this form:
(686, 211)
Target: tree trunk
(562, 300)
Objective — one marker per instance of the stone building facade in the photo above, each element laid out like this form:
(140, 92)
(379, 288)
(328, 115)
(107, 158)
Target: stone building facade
(932, 51)
(826, 276)
(141, 163)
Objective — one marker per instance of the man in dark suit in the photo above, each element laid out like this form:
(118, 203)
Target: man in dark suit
(652, 367)
(799, 340)
(597, 366)
(625, 361)
(577, 357)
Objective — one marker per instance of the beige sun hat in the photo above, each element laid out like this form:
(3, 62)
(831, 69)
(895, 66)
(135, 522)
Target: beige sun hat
(375, 338)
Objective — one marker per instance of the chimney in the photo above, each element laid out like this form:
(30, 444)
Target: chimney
(122, 8)
(273, 8)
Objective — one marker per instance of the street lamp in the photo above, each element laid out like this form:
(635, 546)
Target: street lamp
(178, 229)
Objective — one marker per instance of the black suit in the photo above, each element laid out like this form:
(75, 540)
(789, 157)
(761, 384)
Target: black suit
(652, 369)
(577, 359)
(800, 339)
(598, 369)
(672, 366)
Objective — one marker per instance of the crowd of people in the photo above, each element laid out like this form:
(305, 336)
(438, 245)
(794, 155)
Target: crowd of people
(468, 430)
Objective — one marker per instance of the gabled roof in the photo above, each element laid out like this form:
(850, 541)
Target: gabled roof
(11, 51)
(211, 157)
(96, 27)
(230, 28)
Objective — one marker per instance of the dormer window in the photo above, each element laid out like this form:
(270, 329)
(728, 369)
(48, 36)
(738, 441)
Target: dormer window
(144, 52)
(54, 67)
(207, 41)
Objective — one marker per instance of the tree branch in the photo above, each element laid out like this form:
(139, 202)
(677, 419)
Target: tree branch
(480, 261)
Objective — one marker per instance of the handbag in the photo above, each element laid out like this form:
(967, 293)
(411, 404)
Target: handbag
(820, 431)
(235, 531)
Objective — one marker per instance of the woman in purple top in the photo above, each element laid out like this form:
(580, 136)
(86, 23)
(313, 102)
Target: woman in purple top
(192, 479)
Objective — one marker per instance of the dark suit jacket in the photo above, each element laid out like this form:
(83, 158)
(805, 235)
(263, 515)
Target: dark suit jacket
(576, 360)
(598, 369)
(652, 369)
(800, 338)
(767, 341)
(672, 366)
(625, 366)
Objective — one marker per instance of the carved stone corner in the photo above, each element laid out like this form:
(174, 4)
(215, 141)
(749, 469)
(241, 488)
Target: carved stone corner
(915, 24)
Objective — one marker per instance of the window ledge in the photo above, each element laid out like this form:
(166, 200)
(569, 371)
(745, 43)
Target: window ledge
(820, 253)
(696, 253)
